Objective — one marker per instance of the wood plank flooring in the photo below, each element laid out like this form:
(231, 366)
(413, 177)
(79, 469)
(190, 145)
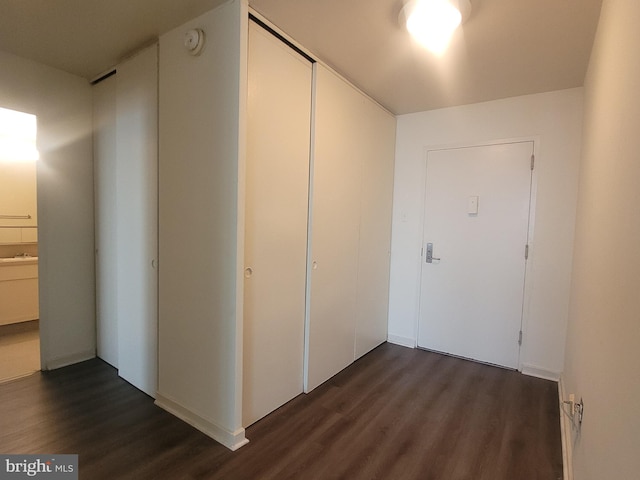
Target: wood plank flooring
(395, 414)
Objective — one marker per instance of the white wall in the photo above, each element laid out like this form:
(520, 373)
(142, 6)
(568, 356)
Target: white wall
(603, 357)
(200, 363)
(554, 120)
(62, 103)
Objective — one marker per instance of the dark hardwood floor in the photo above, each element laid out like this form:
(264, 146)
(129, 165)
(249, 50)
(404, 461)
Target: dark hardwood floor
(397, 413)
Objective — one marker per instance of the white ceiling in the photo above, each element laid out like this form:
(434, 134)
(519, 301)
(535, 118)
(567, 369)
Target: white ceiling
(87, 37)
(506, 48)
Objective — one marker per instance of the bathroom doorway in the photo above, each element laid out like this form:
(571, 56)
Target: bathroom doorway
(19, 302)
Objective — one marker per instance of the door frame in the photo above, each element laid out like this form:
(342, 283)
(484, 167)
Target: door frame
(530, 263)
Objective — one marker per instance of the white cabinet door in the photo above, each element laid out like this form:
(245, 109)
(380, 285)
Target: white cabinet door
(137, 206)
(276, 210)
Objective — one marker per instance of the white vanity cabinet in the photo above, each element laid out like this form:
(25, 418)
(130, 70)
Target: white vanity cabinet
(18, 290)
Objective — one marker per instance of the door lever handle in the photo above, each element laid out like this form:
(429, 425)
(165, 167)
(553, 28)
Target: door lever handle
(430, 258)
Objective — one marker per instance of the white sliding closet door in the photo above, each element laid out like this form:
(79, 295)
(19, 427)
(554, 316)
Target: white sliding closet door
(105, 188)
(335, 227)
(137, 206)
(276, 209)
(354, 148)
(378, 130)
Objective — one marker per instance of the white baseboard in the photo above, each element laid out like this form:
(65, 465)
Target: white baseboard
(565, 435)
(231, 440)
(534, 371)
(402, 341)
(66, 360)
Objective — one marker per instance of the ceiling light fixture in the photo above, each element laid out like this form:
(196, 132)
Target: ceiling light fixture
(433, 22)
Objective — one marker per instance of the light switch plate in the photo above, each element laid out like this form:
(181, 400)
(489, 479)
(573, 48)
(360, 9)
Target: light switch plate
(472, 209)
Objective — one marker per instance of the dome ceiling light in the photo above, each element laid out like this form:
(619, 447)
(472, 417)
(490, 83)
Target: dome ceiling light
(433, 22)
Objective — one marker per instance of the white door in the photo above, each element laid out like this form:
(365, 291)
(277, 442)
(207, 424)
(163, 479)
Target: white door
(335, 227)
(476, 220)
(377, 144)
(106, 219)
(276, 210)
(137, 221)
